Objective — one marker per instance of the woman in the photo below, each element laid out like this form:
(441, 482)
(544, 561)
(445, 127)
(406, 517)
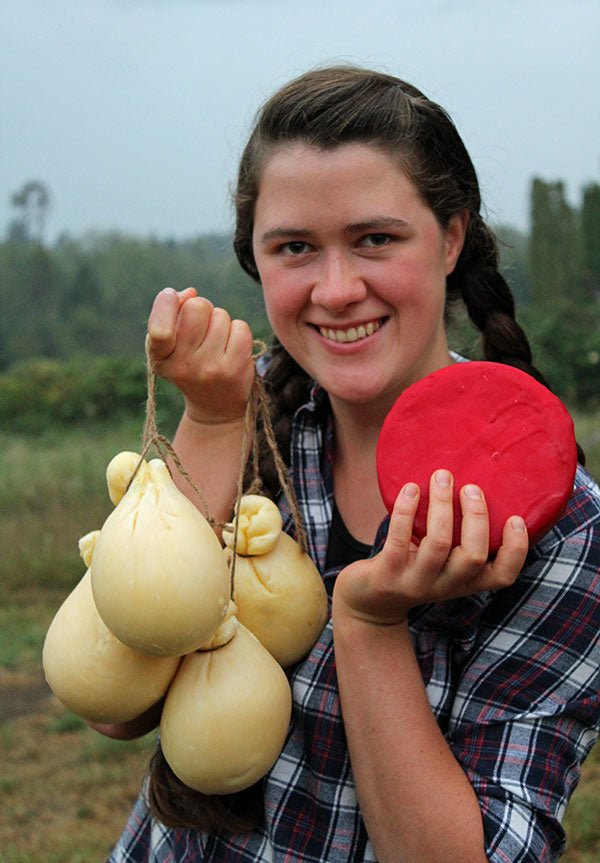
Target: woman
(449, 702)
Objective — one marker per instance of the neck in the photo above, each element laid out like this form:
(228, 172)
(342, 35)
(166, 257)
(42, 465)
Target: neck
(356, 488)
(356, 425)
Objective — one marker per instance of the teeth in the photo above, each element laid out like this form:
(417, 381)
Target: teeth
(352, 334)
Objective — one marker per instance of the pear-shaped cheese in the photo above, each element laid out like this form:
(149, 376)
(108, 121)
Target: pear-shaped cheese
(159, 575)
(226, 716)
(91, 672)
(279, 593)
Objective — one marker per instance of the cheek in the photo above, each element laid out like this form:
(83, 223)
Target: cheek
(279, 307)
(282, 293)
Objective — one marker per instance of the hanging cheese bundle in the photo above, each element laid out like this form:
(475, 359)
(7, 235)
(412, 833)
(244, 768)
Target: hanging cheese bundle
(279, 593)
(159, 575)
(226, 714)
(89, 670)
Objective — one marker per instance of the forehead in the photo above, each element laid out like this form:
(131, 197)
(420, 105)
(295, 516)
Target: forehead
(300, 173)
(302, 155)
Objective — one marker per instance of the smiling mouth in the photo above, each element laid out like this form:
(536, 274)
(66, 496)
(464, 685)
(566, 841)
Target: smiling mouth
(351, 334)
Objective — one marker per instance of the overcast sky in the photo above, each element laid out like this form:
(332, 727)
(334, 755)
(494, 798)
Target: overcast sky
(134, 112)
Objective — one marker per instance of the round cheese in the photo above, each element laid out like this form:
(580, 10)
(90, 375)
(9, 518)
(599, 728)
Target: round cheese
(491, 425)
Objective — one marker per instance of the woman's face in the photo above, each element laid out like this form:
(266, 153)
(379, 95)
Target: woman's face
(353, 266)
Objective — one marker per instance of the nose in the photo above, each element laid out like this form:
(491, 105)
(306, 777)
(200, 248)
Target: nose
(337, 283)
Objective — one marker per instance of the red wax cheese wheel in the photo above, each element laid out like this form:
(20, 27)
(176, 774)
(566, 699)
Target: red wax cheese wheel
(488, 424)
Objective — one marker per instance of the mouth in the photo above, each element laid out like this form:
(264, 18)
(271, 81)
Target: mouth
(351, 334)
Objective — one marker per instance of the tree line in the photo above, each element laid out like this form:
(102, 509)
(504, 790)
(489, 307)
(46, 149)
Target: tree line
(89, 297)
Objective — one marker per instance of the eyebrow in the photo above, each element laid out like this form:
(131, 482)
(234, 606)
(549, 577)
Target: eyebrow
(379, 223)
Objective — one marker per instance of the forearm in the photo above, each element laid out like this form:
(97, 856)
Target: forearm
(211, 455)
(416, 800)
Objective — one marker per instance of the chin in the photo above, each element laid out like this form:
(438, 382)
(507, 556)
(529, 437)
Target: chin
(357, 394)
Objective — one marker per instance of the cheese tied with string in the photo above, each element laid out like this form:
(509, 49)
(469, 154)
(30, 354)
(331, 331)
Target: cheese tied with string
(279, 592)
(226, 714)
(491, 425)
(159, 574)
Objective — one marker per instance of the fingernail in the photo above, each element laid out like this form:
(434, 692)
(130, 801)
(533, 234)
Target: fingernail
(169, 291)
(443, 478)
(472, 491)
(517, 523)
(411, 489)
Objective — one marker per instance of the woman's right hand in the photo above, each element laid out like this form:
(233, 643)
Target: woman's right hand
(205, 353)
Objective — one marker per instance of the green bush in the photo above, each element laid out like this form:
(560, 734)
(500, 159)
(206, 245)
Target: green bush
(40, 393)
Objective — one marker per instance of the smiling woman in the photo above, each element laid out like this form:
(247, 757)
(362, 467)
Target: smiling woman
(372, 256)
(451, 698)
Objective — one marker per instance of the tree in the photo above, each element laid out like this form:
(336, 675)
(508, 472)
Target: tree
(590, 240)
(33, 202)
(553, 245)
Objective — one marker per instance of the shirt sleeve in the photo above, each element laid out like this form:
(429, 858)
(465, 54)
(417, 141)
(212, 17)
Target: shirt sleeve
(527, 707)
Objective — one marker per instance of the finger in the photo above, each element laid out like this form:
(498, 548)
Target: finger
(437, 543)
(193, 323)
(510, 559)
(473, 551)
(217, 333)
(240, 342)
(186, 295)
(397, 546)
(162, 323)
(467, 560)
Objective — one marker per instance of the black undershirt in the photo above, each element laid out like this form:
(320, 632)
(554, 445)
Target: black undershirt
(343, 548)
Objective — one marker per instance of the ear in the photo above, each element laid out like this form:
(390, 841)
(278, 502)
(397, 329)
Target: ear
(455, 238)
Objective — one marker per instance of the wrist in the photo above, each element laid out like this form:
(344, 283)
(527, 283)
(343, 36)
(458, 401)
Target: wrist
(350, 616)
(195, 418)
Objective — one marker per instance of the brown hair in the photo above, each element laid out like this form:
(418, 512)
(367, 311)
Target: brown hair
(327, 108)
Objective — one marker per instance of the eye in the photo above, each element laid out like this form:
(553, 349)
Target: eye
(374, 241)
(294, 247)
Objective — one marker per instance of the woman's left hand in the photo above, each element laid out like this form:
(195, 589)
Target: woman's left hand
(383, 589)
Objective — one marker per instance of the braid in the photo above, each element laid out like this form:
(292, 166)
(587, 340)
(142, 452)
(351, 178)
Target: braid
(287, 386)
(490, 303)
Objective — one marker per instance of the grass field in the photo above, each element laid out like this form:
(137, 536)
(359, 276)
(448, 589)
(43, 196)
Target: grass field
(65, 791)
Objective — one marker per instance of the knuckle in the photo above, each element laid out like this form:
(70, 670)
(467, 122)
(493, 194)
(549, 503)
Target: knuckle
(439, 545)
(398, 544)
(475, 559)
(505, 578)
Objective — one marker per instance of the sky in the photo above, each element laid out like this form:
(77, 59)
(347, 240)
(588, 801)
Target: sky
(134, 112)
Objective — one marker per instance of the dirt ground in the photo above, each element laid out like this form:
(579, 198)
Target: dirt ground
(21, 694)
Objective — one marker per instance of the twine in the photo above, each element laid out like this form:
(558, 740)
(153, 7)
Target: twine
(258, 405)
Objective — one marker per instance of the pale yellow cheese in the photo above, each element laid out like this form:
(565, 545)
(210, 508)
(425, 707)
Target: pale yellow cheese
(91, 672)
(226, 716)
(159, 574)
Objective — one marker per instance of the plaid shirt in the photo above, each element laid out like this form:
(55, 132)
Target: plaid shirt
(512, 676)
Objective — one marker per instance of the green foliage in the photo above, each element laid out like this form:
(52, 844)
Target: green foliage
(590, 235)
(93, 295)
(74, 315)
(65, 723)
(565, 340)
(554, 245)
(37, 393)
(22, 635)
